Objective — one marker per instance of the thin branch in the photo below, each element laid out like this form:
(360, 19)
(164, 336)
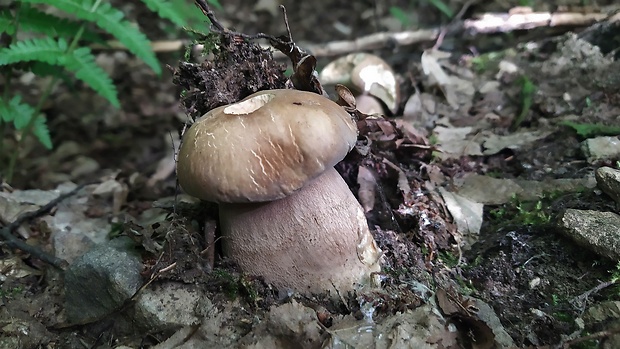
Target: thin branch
(206, 10)
(288, 28)
(6, 233)
(484, 24)
(597, 335)
(580, 300)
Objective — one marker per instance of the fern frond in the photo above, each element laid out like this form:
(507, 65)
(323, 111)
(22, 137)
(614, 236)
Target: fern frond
(41, 131)
(32, 19)
(166, 9)
(21, 114)
(45, 50)
(79, 61)
(111, 20)
(82, 62)
(45, 69)
(7, 24)
(6, 113)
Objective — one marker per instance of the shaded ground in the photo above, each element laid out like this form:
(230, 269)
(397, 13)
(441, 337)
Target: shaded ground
(535, 280)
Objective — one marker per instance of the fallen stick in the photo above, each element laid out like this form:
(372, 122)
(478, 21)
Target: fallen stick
(487, 23)
(6, 232)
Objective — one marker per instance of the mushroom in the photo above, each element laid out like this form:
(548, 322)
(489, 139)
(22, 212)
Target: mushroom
(285, 212)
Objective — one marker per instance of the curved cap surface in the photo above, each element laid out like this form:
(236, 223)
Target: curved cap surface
(264, 147)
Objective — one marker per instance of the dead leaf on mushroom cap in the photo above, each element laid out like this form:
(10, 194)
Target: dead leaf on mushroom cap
(364, 73)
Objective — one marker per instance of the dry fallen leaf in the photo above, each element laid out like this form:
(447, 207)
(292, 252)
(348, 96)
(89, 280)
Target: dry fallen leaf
(366, 192)
(456, 90)
(463, 311)
(403, 182)
(467, 215)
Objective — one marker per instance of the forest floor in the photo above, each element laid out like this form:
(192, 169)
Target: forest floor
(466, 183)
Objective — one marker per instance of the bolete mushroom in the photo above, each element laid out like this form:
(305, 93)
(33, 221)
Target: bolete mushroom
(285, 212)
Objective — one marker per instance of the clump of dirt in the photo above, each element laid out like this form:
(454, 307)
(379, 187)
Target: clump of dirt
(239, 68)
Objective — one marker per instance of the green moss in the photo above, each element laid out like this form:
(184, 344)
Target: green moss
(248, 289)
(563, 317)
(11, 292)
(517, 211)
(229, 282)
(486, 62)
(449, 259)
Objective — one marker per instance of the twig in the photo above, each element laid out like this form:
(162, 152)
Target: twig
(453, 22)
(206, 10)
(6, 233)
(579, 301)
(288, 28)
(485, 24)
(506, 22)
(597, 335)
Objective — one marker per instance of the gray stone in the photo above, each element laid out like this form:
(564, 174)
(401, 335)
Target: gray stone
(168, 306)
(602, 312)
(607, 313)
(598, 148)
(599, 231)
(608, 180)
(496, 191)
(102, 279)
(487, 315)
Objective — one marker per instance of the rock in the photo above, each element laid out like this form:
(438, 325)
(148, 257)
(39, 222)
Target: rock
(601, 148)
(487, 315)
(168, 306)
(602, 312)
(421, 328)
(220, 328)
(608, 314)
(290, 325)
(497, 191)
(102, 279)
(73, 229)
(599, 231)
(608, 180)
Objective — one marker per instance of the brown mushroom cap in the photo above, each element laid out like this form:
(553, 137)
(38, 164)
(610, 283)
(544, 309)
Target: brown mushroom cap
(264, 147)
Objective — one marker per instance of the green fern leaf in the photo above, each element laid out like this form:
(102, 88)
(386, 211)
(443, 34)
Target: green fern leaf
(110, 20)
(6, 114)
(7, 24)
(192, 15)
(40, 49)
(44, 69)
(82, 62)
(79, 61)
(166, 9)
(21, 114)
(42, 133)
(31, 19)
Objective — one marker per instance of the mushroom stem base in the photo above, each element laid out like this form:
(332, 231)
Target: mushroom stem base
(314, 241)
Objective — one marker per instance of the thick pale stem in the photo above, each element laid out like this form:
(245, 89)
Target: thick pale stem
(314, 241)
